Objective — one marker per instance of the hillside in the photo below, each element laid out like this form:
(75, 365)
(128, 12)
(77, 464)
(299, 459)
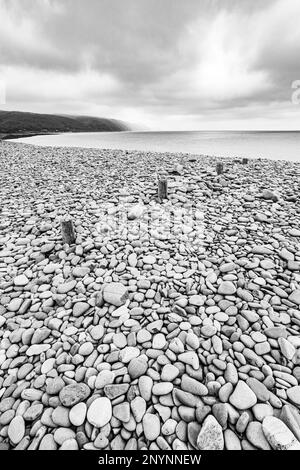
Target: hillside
(15, 123)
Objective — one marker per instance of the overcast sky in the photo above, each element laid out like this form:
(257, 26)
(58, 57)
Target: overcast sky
(161, 64)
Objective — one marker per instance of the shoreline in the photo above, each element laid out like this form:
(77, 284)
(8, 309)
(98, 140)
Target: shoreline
(130, 142)
(171, 325)
(25, 135)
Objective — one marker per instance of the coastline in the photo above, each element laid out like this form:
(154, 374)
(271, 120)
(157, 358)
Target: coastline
(245, 144)
(198, 348)
(21, 135)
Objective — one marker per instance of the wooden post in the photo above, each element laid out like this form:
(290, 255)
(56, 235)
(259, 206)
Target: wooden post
(220, 168)
(245, 161)
(162, 189)
(67, 232)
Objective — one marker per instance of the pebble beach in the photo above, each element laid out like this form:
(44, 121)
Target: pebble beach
(169, 324)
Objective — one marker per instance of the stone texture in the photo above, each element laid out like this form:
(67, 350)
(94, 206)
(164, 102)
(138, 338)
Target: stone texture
(100, 412)
(278, 434)
(211, 435)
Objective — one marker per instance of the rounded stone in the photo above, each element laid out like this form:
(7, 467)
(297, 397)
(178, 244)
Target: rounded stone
(226, 288)
(16, 430)
(105, 377)
(100, 412)
(151, 426)
(73, 394)
(279, 435)
(115, 294)
(242, 397)
(21, 281)
(293, 394)
(137, 367)
(77, 414)
(162, 388)
(169, 373)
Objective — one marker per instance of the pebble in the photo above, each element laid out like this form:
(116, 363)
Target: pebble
(115, 293)
(242, 397)
(295, 297)
(80, 308)
(128, 353)
(48, 443)
(151, 426)
(73, 394)
(227, 288)
(256, 437)
(21, 281)
(293, 394)
(286, 348)
(137, 366)
(162, 388)
(100, 412)
(278, 434)
(16, 430)
(77, 414)
(122, 412)
(210, 436)
(148, 340)
(145, 384)
(60, 416)
(105, 377)
(138, 407)
(169, 373)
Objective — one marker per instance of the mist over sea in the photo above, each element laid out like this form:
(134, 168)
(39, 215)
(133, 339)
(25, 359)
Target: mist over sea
(253, 144)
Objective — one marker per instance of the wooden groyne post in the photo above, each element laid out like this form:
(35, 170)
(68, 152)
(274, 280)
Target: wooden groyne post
(219, 168)
(68, 232)
(162, 189)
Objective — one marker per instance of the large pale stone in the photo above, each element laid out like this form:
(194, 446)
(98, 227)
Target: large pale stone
(21, 281)
(100, 412)
(293, 394)
(77, 414)
(290, 416)
(136, 212)
(227, 288)
(151, 426)
(278, 434)
(115, 293)
(287, 349)
(210, 436)
(295, 297)
(37, 349)
(243, 397)
(129, 353)
(16, 429)
(256, 437)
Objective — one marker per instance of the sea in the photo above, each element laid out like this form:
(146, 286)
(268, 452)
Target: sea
(282, 145)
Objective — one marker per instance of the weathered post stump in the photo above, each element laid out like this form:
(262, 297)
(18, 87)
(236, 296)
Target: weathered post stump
(162, 189)
(245, 161)
(220, 168)
(67, 232)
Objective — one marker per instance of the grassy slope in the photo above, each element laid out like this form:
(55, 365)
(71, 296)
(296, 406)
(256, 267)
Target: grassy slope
(15, 122)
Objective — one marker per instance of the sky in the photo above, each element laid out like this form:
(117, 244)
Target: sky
(157, 64)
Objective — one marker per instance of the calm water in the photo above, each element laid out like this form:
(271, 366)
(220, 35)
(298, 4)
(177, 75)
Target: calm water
(275, 145)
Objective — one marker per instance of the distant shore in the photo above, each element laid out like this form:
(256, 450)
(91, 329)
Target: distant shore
(20, 135)
(169, 324)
